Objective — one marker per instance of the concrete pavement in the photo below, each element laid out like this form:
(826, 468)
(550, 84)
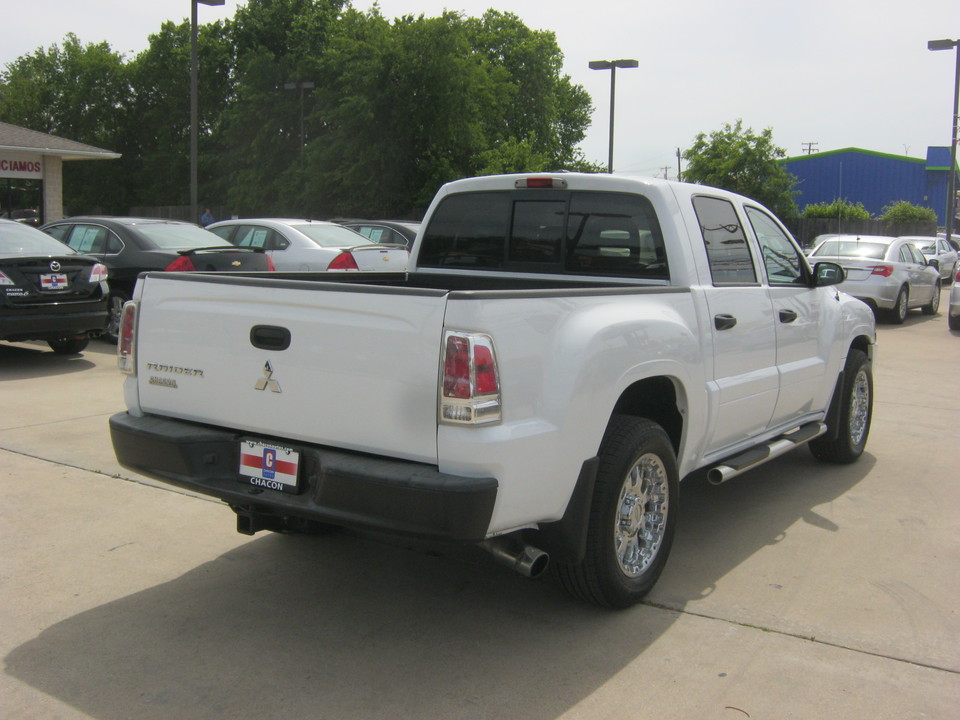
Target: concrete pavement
(799, 590)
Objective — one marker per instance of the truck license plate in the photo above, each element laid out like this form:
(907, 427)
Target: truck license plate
(270, 466)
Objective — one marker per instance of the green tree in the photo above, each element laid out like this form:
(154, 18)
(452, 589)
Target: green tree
(77, 92)
(156, 129)
(840, 209)
(743, 162)
(906, 212)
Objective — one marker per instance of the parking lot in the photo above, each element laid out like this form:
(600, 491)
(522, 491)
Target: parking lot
(799, 590)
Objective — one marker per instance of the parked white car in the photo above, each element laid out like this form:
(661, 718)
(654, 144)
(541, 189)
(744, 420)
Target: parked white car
(939, 249)
(312, 245)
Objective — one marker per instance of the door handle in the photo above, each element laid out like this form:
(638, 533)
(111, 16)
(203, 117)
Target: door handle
(787, 316)
(724, 322)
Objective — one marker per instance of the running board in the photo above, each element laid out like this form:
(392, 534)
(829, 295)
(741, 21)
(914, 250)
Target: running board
(762, 453)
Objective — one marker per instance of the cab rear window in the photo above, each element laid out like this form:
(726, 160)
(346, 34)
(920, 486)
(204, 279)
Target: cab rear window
(547, 231)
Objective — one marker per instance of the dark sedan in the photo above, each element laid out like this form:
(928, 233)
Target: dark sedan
(47, 291)
(129, 246)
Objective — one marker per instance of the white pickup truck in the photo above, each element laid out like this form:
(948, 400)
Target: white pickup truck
(562, 350)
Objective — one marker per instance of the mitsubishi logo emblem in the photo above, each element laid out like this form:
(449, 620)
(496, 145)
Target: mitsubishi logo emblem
(267, 380)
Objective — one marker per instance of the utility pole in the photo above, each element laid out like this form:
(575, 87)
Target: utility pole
(811, 147)
(679, 172)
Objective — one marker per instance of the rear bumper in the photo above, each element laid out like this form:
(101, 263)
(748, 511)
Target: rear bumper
(336, 487)
(43, 322)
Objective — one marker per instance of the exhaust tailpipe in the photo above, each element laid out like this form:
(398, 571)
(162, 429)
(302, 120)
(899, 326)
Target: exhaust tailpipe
(517, 555)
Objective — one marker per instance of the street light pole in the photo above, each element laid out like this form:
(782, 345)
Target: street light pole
(194, 216)
(951, 183)
(612, 66)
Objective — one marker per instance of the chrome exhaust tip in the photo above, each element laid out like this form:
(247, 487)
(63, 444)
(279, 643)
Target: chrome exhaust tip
(517, 555)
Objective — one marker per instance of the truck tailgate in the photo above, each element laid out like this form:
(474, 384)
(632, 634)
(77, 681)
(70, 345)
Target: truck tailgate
(353, 366)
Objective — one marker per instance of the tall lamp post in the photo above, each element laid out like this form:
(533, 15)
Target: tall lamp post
(194, 215)
(612, 66)
(951, 184)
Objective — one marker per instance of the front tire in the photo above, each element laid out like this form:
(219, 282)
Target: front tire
(632, 518)
(115, 302)
(856, 412)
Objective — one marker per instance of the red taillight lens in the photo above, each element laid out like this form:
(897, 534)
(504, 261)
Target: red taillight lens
(343, 261)
(486, 370)
(470, 388)
(885, 270)
(181, 264)
(127, 339)
(98, 273)
(456, 368)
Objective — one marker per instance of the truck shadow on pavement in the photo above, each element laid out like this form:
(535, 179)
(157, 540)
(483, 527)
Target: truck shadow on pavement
(341, 626)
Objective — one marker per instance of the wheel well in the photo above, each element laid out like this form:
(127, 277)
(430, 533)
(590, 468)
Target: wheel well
(655, 399)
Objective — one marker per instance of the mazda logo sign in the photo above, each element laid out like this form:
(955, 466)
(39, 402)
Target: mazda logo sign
(55, 266)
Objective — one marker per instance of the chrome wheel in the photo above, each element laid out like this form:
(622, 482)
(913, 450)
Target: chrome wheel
(859, 407)
(114, 311)
(641, 521)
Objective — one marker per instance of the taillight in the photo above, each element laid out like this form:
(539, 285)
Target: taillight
(181, 264)
(343, 261)
(270, 266)
(470, 387)
(549, 183)
(885, 270)
(98, 273)
(127, 339)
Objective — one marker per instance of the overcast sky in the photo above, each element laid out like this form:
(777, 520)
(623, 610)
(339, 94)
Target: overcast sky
(836, 73)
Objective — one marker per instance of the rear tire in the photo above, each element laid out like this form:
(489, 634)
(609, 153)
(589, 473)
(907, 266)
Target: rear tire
(899, 312)
(68, 346)
(856, 411)
(953, 322)
(632, 518)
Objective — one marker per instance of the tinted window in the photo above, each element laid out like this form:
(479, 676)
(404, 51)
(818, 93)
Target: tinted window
(468, 230)
(615, 234)
(18, 239)
(725, 241)
(781, 258)
(89, 239)
(590, 233)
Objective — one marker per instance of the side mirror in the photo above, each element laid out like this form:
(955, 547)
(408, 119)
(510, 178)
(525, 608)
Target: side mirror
(828, 273)
(934, 263)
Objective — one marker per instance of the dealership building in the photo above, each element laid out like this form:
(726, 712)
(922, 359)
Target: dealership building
(31, 171)
(872, 178)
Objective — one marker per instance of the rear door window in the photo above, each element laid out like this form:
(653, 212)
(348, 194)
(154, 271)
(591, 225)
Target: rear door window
(731, 262)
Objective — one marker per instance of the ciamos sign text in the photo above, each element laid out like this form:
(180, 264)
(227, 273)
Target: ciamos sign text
(12, 166)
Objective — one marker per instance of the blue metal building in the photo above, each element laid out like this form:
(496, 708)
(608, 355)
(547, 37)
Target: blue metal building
(872, 178)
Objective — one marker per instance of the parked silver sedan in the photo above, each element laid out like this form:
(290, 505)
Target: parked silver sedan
(312, 245)
(936, 247)
(889, 274)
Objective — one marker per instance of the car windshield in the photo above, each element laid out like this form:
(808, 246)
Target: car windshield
(852, 248)
(331, 235)
(172, 236)
(17, 239)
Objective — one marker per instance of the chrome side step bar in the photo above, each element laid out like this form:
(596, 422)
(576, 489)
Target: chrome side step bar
(760, 454)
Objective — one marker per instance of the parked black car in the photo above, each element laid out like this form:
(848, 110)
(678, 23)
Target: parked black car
(48, 291)
(396, 232)
(129, 246)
